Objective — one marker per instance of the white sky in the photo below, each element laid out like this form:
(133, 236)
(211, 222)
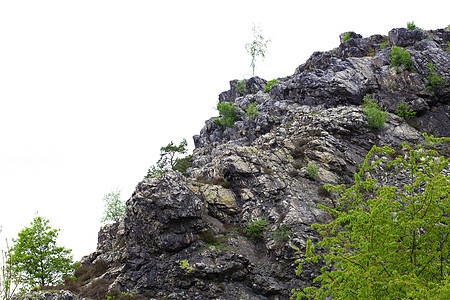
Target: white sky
(90, 90)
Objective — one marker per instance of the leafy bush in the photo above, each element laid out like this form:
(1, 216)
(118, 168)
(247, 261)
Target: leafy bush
(252, 111)
(435, 82)
(375, 116)
(256, 228)
(229, 113)
(403, 112)
(182, 164)
(448, 44)
(412, 26)
(384, 44)
(313, 170)
(387, 241)
(400, 57)
(241, 87)
(269, 84)
(347, 37)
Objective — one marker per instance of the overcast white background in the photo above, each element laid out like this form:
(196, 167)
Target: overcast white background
(90, 90)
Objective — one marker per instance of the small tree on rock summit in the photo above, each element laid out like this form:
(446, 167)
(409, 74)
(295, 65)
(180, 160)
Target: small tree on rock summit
(169, 160)
(256, 48)
(114, 207)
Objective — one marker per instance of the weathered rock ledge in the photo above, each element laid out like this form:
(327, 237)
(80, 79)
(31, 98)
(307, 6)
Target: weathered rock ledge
(182, 237)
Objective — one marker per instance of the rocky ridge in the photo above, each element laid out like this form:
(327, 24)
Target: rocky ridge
(184, 238)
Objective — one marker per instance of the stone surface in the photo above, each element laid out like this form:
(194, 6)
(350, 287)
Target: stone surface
(185, 237)
(59, 295)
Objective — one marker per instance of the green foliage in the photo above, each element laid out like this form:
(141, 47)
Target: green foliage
(252, 111)
(182, 164)
(375, 116)
(229, 113)
(37, 259)
(123, 295)
(405, 113)
(435, 82)
(347, 37)
(387, 241)
(313, 170)
(384, 44)
(412, 26)
(9, 280)
(256, 48)
(256, 228)
(241, 87)
(269, 84)
(400, 57)
(186, 266)
(169, 160)
(209, 238)
(281, 235)
(114, 207)
(448, 48)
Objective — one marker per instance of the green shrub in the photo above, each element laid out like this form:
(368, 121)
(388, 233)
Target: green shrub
(347, 37)
(269, 84)
(182, 164)
(384, 44)
(412, 26)
(448, 44)
(281, 235)
(252, 111)
(241, 87)
(313, 170)
(400, 57)
(435, 82)
(375, 116)
(209, 238)
(256, 228)
(403, 112)
(229, 113)
(184, 264)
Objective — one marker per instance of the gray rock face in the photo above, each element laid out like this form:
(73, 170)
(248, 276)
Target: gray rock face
(404, 37)
(60, 295)
(188, 237)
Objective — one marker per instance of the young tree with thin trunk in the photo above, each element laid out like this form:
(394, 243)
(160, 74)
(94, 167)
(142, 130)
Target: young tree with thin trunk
(37, 259)
(114, 207)
(256, 48)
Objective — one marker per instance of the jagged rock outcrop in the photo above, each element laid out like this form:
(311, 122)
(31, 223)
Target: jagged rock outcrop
(54, 295)
(184, 237)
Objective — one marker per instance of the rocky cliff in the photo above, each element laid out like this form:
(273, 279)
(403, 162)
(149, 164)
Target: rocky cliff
(185, 237)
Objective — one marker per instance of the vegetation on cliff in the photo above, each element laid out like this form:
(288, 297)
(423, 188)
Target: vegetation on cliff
(388, 239)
